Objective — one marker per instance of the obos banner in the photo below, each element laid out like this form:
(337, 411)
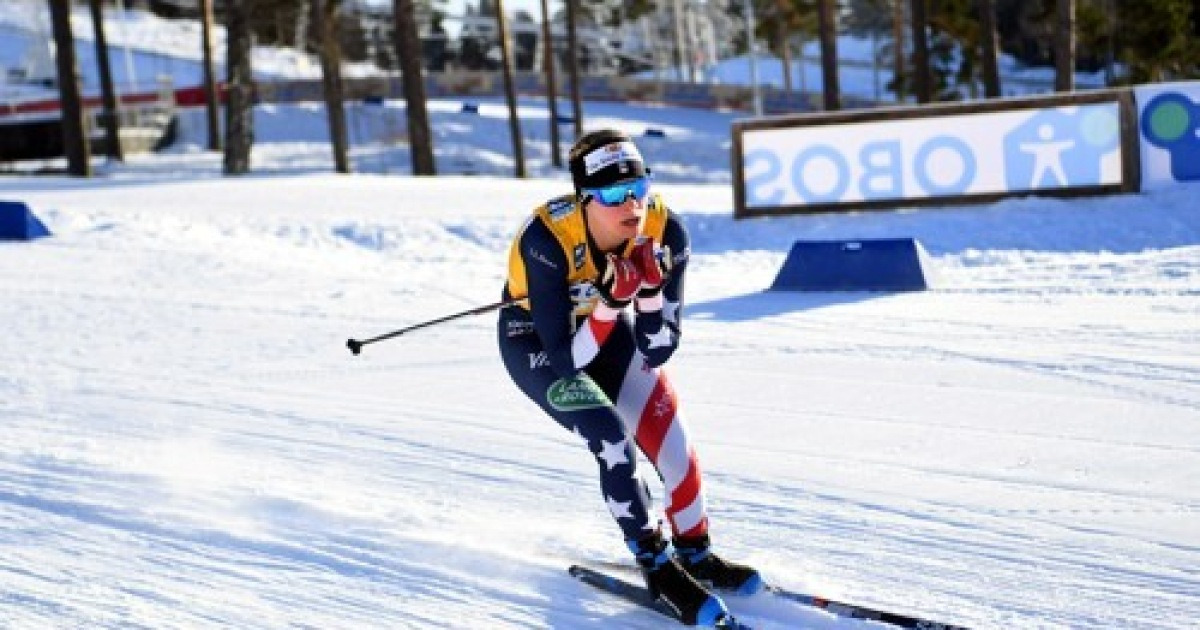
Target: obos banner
(1170, 126)
(935, 154)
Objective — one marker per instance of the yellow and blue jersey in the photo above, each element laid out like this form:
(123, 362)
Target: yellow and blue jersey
(554, 264)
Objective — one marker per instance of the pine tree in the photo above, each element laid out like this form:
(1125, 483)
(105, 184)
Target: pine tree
(408, 49)
(111, 117)
(510, 92)
(956, 49)
(211, 98)
(989, 48)
(922, 76)
(1156, 41)
(75, 142)
(828, 26)
(1064, 46)
(239, 109)
(325, 15)
(783, 20)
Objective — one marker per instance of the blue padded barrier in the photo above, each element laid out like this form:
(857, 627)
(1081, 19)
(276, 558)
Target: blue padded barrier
(889, 264)
(17, 223)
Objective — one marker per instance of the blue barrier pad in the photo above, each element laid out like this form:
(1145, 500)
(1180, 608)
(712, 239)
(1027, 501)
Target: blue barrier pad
(18, 223)
(892, 264)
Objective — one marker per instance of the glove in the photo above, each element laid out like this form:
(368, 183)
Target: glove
(654, 265)
(619, 282)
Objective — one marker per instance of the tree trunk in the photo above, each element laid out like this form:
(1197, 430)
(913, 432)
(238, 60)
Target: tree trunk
(921, 75)
(827, 25)
(75, 142)
(300, 34)
(900, 59)
(988, 37)
(551, 84)
(325, 15)
(408, 49)
(110, 118)
(785, 51)
(510, 91)
(573, 63)
(1064, 47)
(680, 41)
(211, 96)
(239, 111)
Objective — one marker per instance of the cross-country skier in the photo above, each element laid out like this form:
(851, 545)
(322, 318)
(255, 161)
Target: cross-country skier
(591, 362)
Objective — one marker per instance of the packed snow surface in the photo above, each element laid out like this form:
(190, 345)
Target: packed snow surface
(187, 443)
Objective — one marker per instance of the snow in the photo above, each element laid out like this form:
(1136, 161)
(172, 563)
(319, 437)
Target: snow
(188, 443)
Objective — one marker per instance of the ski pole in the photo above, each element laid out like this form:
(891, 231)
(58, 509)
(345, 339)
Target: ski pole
(356, 345)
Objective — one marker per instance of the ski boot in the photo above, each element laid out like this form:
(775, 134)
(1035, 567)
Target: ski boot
(666, 580)
(712, 570)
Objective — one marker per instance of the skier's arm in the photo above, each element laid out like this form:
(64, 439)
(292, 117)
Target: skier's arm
(552, 308)
(658, 323)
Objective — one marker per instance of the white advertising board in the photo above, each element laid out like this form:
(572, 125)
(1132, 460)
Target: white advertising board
(1027, 148)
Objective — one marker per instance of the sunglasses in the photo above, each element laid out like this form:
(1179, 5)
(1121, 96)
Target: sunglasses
(615, 194)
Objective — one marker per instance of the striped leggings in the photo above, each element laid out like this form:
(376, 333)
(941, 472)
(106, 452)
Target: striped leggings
(616, 402)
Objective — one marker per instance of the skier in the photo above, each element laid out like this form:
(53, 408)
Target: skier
(594, 365)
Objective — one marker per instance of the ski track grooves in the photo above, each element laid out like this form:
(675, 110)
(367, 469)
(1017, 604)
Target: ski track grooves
(873, 540)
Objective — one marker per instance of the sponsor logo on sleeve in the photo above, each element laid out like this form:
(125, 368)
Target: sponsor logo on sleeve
(538, 360)
(540, 257)
(560, 209)
(580, 255)
(517, 328)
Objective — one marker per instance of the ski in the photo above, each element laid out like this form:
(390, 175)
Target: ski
(855, 611)
(639, 595)
(841, 609)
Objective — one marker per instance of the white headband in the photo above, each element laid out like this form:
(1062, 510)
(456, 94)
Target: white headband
(610, 154)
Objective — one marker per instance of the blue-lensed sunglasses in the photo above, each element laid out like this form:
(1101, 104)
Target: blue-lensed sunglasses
(616, 194)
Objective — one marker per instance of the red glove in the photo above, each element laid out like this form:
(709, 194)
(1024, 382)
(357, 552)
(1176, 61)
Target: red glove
(653, 263)
(619, 282)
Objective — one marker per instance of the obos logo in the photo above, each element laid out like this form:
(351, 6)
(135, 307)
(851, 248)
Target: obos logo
(1058, 148)
(1171, 122)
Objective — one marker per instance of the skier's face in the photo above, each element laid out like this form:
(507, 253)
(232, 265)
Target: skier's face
(612, 225)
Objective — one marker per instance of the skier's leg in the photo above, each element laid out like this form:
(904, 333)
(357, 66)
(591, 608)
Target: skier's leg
(665, 575)
(650, 408)
(647, 404)
(582, 407)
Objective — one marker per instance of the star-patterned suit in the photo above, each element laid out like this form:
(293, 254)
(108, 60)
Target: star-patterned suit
(602, 378)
